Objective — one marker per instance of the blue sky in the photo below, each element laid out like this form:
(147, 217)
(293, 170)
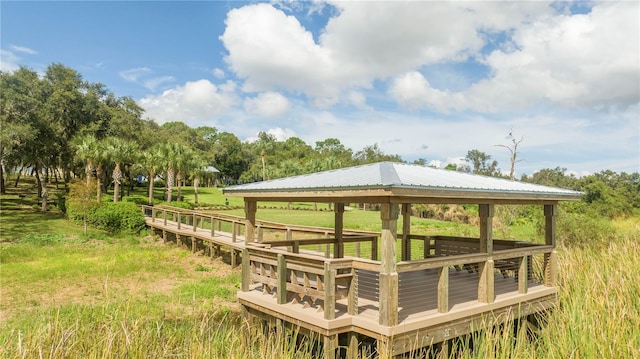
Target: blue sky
(421, 79)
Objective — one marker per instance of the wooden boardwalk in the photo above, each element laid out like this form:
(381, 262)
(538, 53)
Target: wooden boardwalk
(439, 297)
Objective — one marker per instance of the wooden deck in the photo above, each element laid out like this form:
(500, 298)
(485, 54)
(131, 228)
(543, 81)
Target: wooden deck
(441, 296)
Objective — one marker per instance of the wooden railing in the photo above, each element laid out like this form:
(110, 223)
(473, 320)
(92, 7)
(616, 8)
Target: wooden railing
(511, 258)
(311, 280)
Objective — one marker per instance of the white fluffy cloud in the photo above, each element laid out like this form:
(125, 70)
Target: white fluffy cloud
(590, 60)
(545, 56)
(268, 104)
(191, 103)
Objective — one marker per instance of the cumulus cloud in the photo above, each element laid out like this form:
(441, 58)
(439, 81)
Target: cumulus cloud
(267, 104)
(535, 54)
(193, 102)
(218, 73)
(571, 61)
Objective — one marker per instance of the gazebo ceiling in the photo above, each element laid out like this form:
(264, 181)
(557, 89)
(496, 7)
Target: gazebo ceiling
(401, 183)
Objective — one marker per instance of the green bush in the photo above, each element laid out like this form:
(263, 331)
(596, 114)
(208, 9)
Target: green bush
(118, 217)
(113, 217)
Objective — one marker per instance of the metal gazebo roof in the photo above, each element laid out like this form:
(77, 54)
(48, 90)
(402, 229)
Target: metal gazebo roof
(399, 182)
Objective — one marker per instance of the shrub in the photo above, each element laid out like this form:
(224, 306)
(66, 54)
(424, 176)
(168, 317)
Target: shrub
(118, 217)
(111, 216)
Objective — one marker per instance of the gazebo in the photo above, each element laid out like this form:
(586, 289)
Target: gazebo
(400, 290)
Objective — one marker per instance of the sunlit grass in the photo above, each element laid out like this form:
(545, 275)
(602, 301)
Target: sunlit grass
(65, 295)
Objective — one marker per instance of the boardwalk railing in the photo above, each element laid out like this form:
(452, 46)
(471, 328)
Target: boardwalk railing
(301, 270)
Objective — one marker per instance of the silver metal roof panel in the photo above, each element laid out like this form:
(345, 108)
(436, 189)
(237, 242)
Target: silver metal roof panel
(398, 175)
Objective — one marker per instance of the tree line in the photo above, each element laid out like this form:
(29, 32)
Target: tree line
(58, 126)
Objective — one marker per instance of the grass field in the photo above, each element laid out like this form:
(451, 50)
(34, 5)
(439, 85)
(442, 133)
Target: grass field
(67, 295)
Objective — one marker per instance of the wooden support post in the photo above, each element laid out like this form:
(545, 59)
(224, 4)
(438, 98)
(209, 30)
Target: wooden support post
(234, 258)
(234, 231)
(327, 247)
(246, 271)
(388, 277)
(443, 290)
(194, 244)
(260, 234)
(330, 344)
(353, 345)
(213, 231)
(153, 214)
(374, 249)
(427, 247)
(352, 300)
(523, 276)
(282, 279)
(195, 222)
(486, 292)
(250, 208)
(211, 249)
(179, 219)
(406, 231)
(164, 215)
(329, 292)
(296, 247)
(338, 248)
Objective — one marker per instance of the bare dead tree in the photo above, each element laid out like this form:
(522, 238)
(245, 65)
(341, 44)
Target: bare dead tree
(513, 149)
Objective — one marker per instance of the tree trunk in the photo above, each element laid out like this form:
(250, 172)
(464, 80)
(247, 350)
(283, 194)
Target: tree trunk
(3, 190)
(152, 175)
(196, 182)
(36, 170)
(170, 179)
(18, 177)
(99, 178)
(117, 177)
(179, 182)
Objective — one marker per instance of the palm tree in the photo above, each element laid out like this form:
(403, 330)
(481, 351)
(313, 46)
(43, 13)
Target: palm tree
(119, 151)
(85, 147)
(196, 166)
(99, 158)
(152, 162)
(170, 151)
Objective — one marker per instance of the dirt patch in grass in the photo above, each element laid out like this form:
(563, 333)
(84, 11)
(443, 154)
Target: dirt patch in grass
(158, 282)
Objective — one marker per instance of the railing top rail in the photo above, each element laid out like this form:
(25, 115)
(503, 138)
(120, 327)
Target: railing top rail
(521, 252)
(439, 262)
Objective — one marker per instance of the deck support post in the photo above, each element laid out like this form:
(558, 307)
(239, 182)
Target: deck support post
(523, 276)
(338, 248)
(406, 229)
(486, 293)
(213, 222)
(550, 259)
(353, 343)
(329, 292)
(443, 290)
(282, 279)
(246, 271)
(250, 208)
(330, 343)
(388, 277)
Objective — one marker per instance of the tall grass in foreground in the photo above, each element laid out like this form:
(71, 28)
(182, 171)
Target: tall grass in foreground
(598, 314)
(120, 332)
